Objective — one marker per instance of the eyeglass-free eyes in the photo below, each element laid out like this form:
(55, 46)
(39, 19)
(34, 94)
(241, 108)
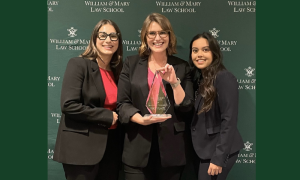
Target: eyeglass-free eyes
(112, 36)
(162, 34)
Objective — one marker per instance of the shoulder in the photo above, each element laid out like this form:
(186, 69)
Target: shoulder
(225, 74)
(134, 59)
(176, 61)
(225, 77)
(79, 60)
(80, 63)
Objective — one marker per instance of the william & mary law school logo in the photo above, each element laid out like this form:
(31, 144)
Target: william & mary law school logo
(225, 45)
(248, 157)
(248, 84)
(248, 146)
(72, 32)
(70, 43)
(249, 71)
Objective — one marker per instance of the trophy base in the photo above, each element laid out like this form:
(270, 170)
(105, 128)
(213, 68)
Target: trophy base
(159, 116)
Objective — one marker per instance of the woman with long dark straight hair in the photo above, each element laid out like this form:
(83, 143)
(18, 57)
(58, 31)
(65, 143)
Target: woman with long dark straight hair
(216, 139)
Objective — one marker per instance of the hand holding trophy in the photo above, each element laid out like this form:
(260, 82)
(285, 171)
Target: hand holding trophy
(157, 101)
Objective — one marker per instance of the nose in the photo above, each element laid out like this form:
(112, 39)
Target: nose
(199, 53)
(107, 39)
(157, 37)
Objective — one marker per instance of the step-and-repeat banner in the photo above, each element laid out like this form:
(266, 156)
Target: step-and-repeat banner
(232, 23)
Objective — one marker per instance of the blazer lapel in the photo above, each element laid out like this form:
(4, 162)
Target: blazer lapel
(96, 75)
(197, 107)
(142, 71)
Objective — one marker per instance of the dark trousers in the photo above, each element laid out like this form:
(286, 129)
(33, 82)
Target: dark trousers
(204, 165)
(153, 170)
(106, 169)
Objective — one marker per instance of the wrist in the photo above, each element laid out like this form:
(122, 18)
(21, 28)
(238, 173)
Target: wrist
(174, 85)
(136, 118)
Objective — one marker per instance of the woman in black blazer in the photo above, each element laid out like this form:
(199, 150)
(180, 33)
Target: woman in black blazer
(154, 149)
(215, 136)
(87, 142)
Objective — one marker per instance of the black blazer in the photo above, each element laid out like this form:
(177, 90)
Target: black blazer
(83, 129)
(132, 94)
(214, 134)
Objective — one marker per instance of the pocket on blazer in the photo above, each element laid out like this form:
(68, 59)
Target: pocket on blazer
(74, 126)
(213, 130)
(180, 126)
(84, 131)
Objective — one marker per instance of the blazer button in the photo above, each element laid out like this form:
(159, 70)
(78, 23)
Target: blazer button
(194, 129)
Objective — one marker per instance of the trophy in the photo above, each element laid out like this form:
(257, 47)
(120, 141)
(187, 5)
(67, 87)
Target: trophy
(157, 101)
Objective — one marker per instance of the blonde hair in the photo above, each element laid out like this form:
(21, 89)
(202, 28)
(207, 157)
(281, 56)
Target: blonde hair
(165, 25)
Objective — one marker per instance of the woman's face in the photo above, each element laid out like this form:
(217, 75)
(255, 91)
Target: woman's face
(107, 47)
(157, 38)
(201, 55)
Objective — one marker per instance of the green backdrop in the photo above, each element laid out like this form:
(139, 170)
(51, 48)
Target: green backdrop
(70, 24)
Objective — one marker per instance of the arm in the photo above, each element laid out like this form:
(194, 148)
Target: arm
(183, 93)
(72, 101)
(227, 92)
(186, 85)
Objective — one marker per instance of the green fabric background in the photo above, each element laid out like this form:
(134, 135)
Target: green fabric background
(237, 37)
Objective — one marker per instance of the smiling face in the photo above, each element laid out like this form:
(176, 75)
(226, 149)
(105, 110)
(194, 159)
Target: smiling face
(157, 44)
(107, 47)
(201, 55)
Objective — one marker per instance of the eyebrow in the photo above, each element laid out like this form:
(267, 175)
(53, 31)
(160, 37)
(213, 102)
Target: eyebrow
(202, 47)
(157, 31)
(106, 32)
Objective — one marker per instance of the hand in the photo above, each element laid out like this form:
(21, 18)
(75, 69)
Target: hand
(214, 169)
(115, 118)
(168, 73)
(137, 118)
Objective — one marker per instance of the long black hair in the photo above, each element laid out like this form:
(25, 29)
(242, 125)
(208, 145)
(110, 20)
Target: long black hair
(204, 79)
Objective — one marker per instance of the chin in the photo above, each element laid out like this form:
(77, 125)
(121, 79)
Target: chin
(159, 50)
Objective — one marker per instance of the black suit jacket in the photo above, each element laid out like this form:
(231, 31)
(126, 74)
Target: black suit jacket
(132, 94)
(83, 129)
(214, 133)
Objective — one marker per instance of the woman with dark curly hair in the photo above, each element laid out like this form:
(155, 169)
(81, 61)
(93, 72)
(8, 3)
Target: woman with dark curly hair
(216, 139)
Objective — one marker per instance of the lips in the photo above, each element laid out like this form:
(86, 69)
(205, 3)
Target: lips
(158, 44)
(200, 60)
(108, 47)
